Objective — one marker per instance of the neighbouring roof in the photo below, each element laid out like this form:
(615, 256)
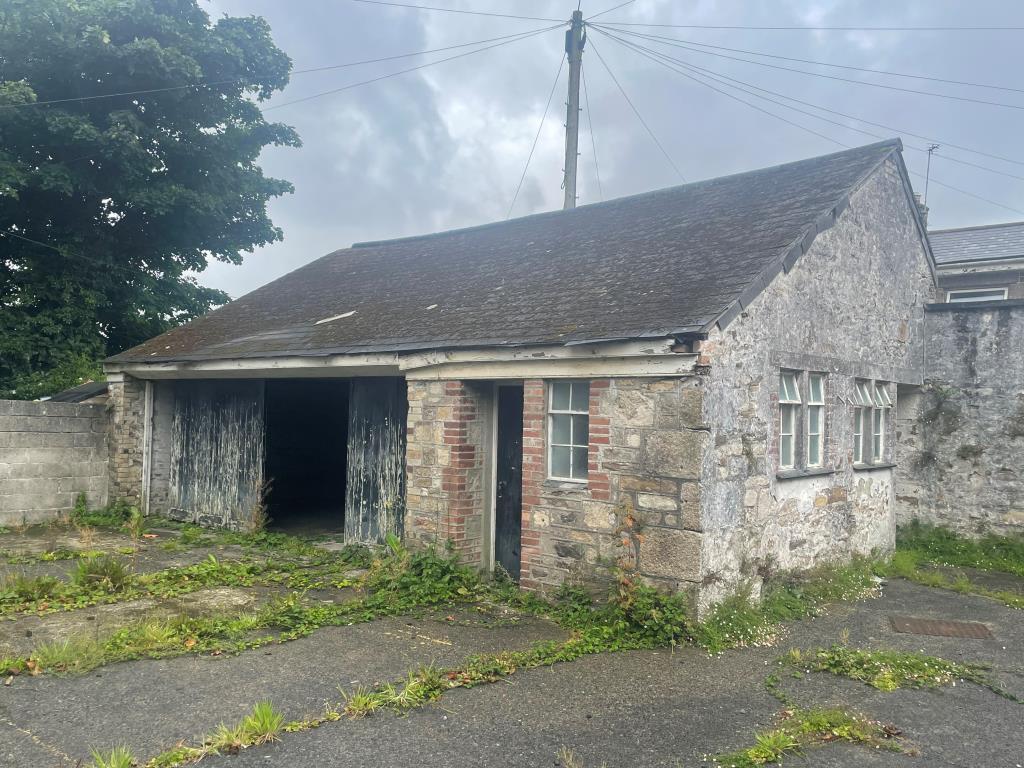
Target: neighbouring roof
(80, 393)
(994, 241)
(658, 264)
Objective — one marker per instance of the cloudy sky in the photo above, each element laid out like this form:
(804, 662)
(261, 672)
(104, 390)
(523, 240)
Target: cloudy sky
(445, 146)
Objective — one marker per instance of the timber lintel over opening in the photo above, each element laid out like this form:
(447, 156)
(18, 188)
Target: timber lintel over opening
(648, 357)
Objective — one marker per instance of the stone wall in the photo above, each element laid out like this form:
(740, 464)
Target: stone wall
(852, 306)
(127, 405)
(647, 444)
(962, 435)
(50, 453)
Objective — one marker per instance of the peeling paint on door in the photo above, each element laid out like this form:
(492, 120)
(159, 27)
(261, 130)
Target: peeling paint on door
(217, 452)
(375, 498)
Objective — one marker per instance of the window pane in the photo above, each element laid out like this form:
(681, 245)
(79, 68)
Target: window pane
(560, 461)
(876, 447)
(787, 412)
(788, 390)
(815, 389)
(814, 451)
(786, 451)
(579, 463)
(580, 430)
(814, 420)
(560, 396)
(560, 426)
(879, 400)
(581, 397)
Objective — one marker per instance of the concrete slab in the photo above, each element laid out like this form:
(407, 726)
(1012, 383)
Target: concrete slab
(152, 705)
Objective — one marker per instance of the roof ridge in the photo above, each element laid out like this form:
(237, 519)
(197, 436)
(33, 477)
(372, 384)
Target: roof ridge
(895, 143)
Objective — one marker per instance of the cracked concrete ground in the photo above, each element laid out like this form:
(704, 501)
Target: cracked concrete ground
(624, 709)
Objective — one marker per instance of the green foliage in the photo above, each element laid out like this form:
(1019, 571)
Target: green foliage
(72, 656)
(114, 515)
(23, 588)
(119, 757)
(802, 729)
(105, 573)
(941, 546)
(130, 195)
(262, 725)
(889, 670)
(736, 622)
(796, 595)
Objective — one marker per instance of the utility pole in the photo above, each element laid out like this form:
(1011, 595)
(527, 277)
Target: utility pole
(928, 170)
(575, 39)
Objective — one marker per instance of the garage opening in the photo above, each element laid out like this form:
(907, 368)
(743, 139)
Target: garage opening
(306, 443)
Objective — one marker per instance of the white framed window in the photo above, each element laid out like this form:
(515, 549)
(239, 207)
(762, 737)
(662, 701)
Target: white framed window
(871, 402)
(978, 294)
(789, 403)
(815, 419)
(882, 404)
(568, 430)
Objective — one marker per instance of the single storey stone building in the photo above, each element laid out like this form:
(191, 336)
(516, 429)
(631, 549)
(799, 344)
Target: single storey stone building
(700, 381)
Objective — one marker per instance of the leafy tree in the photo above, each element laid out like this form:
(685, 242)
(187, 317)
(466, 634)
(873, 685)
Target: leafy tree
(108, 204)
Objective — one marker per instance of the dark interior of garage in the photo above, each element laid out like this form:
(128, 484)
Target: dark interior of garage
(306, 443)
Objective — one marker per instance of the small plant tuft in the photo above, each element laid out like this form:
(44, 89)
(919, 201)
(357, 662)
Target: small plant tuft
(106, 573)
(119, 757)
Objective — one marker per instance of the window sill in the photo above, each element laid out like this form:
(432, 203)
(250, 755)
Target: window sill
(565, 485)
(869, 467)
(794, 474)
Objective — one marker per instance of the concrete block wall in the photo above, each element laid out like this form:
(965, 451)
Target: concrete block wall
(50, 453)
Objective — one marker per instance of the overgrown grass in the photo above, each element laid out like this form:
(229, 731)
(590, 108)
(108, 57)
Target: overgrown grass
(803, 729)
(889, 670)
(940, 546)
(739, 622)
(910, 565)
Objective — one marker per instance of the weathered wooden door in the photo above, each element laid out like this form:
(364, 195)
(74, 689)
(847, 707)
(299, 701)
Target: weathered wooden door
(508, 491)
(217, 432)
(375, 488)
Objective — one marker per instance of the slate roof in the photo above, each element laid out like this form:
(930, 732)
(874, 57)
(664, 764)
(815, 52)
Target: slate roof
(653, 265)
(995, 241)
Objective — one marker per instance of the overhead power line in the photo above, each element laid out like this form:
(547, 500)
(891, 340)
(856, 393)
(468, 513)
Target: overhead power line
(304, 71)
(455, 10)
(866, 83)
(593, 139)
(655, 58)
(511, 39)
(636, 111)
(799, 28)
(721, 78)
(609, 10)
(888, 73)
(540, 128)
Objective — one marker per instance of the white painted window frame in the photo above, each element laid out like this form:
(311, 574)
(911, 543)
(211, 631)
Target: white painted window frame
(573, 443)
(815, 404)
(789, 404)
(956, 296)
(871, 401)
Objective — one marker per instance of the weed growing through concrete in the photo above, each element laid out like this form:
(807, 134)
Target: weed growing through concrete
(802, 729)
(119, 757)
(889, 670)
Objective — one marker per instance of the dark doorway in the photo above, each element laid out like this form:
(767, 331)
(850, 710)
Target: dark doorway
(307, 435)
(508, 490)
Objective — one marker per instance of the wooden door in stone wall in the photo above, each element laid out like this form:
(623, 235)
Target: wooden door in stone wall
(375, 487)
(217, 452)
